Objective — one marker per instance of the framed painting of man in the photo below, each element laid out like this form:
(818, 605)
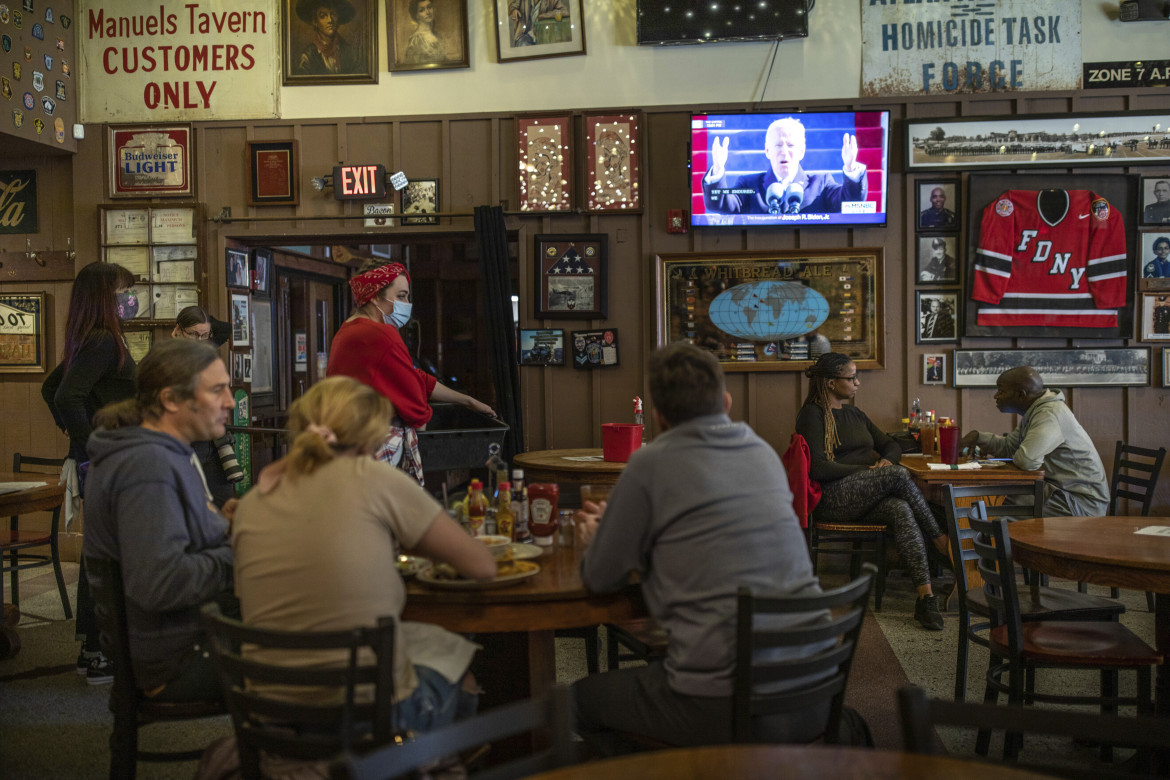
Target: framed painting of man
(330, 42)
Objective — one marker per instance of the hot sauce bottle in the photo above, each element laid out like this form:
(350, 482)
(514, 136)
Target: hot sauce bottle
(505, 520)
(476, 508)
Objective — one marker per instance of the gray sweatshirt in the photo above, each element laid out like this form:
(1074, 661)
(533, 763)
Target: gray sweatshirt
(1050, 438)
(700, 511)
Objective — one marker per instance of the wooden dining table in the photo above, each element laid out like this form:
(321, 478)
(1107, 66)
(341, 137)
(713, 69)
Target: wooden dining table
(567, 468)
(785, 762)
(1105, 551)
(515, 623)
(21, 502)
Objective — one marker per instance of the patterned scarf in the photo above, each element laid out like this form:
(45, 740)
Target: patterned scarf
(398, 436)
(366, 286)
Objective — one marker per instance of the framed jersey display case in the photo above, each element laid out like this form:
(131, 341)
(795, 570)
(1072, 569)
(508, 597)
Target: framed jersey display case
(1051, 256)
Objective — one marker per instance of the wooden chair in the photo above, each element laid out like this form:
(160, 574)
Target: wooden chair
(1018, 648)
(1042, 603)
(14, 545)
(755, 673)
(550, 714)
(920, 716)
(132, 710)
(1128, 482)
(318, 728)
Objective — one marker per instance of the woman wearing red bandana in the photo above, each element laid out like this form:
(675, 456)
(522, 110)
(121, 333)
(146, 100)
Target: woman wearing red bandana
(369, 349)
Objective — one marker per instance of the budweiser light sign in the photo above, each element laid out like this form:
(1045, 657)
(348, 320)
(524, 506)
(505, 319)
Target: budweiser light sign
(912, 47)
(152, 61)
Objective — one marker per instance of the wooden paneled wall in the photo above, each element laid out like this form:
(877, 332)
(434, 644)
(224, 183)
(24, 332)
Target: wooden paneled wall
(474, 158)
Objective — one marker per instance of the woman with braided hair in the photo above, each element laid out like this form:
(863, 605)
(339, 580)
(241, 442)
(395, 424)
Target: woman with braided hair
(856, 465)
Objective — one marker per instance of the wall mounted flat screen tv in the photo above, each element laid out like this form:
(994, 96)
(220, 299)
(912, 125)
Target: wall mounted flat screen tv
(702, 21)
(824, 169)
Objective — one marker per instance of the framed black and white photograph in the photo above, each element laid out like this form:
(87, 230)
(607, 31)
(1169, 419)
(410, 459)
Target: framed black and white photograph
(246, 372)
(1039, 140)
(262, 271)
(1155, 260)
(236, 268)
(421, 196)
(1059, 368)
(938, 316)
(542, 347)
(427, 34)
(938, 260)
(571, 276)
(1050, 256)
(1156, 200)
(595, 348)
(934, 369)
(263, 354)
(938, 205)
(1156, 316)
(241, 330)
(237, 368)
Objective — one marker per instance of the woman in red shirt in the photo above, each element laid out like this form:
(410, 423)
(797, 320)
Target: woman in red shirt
(369, 349)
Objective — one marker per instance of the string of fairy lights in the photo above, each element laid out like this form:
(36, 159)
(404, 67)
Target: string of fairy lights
(612, 168)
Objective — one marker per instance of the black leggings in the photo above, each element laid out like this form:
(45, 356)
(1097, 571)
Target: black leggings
(885, 495)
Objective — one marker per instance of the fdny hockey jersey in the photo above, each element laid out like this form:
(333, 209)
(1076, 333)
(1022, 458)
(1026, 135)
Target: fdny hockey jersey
(1055, 257)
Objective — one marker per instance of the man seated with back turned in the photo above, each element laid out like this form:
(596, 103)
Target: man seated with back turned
(700, 511)
(1050, 438)
(147, 506)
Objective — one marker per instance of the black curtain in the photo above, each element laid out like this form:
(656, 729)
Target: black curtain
(495, 275)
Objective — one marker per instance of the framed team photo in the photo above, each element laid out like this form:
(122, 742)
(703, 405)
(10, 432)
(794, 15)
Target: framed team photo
(1059, 368)
(938, 316)
(938, 260)
(934, 369)
(1156, 316)
(421, 196)
(1154, 260)
(1156, 200)
(938, 205)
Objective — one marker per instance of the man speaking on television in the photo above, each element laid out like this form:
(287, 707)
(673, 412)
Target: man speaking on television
(785, 188)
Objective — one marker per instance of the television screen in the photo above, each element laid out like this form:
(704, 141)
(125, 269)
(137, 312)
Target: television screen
(789, 169)
(702, 21)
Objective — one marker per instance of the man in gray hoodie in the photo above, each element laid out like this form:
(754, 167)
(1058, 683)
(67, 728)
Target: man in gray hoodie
(1050, 438)
(700, 511)
(147, 506)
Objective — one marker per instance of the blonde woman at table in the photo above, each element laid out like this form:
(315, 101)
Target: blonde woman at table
(857, 467)
(369, 349)
(316, 545)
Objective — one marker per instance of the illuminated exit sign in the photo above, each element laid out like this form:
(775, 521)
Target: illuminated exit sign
(359, 182)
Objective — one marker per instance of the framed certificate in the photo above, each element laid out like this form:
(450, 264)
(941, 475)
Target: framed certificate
(273, 172)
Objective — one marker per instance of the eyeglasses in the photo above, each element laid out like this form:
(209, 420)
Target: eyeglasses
(195, 335)
(854, 379)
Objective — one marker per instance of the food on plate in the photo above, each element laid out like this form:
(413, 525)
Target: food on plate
(443, 571)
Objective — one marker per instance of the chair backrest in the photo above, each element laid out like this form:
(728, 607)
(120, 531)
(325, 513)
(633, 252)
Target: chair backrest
(105, 582)
(920, 716)
(994, 548)
(756, 677)
(551, 712)
(1133, 478)
(332, 717)
(1021, 508)
(38, 465)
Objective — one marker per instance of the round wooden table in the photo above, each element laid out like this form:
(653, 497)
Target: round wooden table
(784, 762)
(44, 498)
(1105, 551)
(529, 611)
(555, 466)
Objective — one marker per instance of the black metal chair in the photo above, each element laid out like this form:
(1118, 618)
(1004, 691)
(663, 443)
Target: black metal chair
(15, 545)
(547, 716)
(1018, 648)
(262, 695)
(920, 716)
(1129, 483)
(133, 710)
(1042, 603)
(756, 676)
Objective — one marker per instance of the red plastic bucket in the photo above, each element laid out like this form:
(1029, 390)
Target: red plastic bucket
(619, 440)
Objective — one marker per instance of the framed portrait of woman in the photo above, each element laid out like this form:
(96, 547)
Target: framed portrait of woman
(427, 34)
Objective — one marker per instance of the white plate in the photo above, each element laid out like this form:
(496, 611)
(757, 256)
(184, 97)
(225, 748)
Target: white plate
(410, 565)
(525, 552)
(527, 569)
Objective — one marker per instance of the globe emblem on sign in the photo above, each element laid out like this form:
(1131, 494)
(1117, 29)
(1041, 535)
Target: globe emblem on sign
(768, 310)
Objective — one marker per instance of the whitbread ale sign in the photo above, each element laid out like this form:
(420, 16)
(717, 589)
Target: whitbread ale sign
(18, 202)
(152, 61)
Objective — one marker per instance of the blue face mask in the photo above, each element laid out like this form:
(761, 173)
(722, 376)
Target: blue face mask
(400, 315)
